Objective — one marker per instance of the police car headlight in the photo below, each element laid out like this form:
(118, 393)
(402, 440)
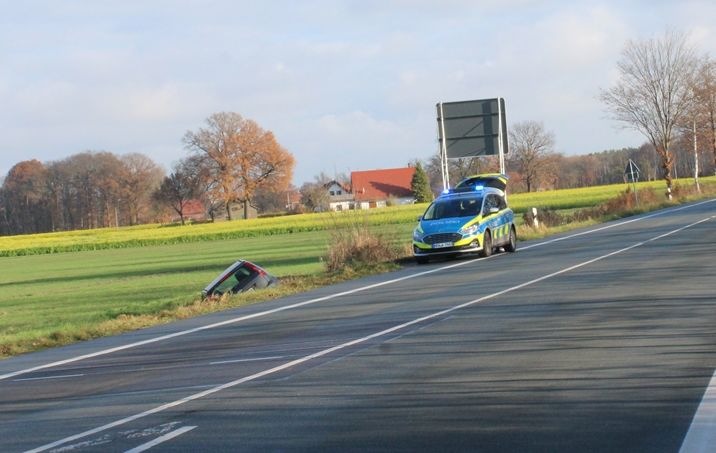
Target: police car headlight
(417, 235)
(468, 230)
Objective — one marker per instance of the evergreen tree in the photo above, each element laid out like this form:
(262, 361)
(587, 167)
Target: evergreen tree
(420, 185)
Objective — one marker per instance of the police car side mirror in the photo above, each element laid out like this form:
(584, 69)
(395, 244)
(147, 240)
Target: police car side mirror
(420, 218)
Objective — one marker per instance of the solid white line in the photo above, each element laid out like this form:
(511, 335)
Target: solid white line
(48, 377)
(257, 359)
(161, 439)
(322, 299)
(617, 224)
(701, 436)
(345, 345)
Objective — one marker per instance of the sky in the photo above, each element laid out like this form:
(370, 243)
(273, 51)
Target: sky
(344, 85)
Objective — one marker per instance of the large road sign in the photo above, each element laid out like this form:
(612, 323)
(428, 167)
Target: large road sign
(470, 129)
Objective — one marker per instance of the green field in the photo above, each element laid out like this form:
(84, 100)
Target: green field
(65, 292)
(144, 235)
(54, 298)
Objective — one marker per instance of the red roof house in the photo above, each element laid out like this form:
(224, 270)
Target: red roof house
(373, 188)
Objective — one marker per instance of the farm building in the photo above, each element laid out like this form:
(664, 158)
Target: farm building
(372, 189)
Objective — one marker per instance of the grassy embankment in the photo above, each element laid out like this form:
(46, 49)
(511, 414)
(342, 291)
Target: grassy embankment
(112, 280)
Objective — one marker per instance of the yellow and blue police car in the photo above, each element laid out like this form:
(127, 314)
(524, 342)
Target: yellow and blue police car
(471, 218)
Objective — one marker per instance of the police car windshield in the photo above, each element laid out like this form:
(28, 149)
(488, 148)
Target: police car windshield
(453, 207)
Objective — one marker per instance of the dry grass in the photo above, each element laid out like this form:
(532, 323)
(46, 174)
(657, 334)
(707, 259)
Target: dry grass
(623, 205)
(359, 247)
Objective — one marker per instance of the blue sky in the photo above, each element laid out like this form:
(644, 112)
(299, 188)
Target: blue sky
(344, 85)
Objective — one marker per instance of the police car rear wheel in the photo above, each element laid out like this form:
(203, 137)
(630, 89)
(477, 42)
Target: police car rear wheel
(487, 245)
(511, 245)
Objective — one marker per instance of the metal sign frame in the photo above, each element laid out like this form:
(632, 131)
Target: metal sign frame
(632, 173)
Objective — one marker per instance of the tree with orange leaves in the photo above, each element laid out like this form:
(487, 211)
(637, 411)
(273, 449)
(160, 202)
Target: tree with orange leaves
(241, 157)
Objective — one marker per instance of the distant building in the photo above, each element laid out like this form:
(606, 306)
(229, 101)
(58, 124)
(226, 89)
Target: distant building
(372, 189)
(375, 188)
(340, 197)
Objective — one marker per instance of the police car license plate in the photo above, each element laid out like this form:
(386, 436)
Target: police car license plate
(442, 245)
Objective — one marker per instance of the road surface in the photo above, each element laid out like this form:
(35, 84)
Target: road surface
(602, 339)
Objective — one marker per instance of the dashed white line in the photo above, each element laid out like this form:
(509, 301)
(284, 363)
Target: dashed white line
(349, 344)
(43, 378)
(161, 439)
(257, 359)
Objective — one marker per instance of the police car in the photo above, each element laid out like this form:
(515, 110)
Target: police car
(471, 218)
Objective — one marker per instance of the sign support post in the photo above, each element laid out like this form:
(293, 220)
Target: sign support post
(444, 169)
(500, 141)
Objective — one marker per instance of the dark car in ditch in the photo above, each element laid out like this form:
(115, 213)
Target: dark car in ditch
(239, 277)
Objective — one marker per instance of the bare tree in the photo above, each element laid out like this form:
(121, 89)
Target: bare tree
(203, 172)
(530, 150)
(653, 94)
(243, 157)
(177, 189)
(314, 195)
(704, 88)
(140, 176)
(25, 198)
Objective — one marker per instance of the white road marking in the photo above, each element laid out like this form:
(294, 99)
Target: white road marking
(701, 436)
(606, 227)
(61, 376)
(161, 439)
(351, 343)
(324, 298)
(257, 359)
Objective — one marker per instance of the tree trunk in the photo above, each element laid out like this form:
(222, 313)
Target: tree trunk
(713, 136)
(667, 163)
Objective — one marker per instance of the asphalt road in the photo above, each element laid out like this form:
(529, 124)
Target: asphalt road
(600, 340)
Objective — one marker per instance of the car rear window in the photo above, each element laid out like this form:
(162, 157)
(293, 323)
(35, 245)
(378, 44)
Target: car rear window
(240, 278)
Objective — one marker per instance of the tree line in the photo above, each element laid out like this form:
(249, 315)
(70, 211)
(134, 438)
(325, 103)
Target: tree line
(667, 93)
(86, 190)
(101, 189)
(230, 160)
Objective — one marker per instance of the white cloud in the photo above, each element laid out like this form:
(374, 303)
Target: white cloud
(345, 84)
(356, 140)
